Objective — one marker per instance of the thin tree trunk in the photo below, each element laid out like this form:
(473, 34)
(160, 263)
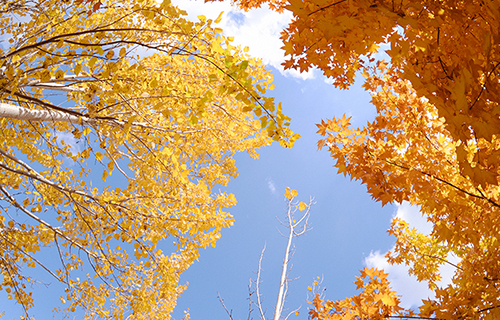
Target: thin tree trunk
(284, 270)
(16, 112)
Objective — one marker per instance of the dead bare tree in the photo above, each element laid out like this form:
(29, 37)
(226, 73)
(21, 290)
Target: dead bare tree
(295, 227)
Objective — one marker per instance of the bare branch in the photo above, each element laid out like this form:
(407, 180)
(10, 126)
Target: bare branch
(257, 285)
(292, 312)
(295, 228)
(292, 225)
(230, 314)
(250, 300)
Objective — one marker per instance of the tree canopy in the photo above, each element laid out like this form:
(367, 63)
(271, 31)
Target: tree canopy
(407, 154)
(156, 105)
(448, 50)
(433, 143)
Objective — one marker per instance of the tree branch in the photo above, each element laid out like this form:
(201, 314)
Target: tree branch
(326, 7)
(33, 174)
(11, 111)
(48, 225)
(257, 285)
(230, 314)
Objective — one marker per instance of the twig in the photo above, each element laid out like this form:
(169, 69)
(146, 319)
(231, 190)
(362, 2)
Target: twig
(326, 7)
(55, 229)
(301, 224)
(230, 314)
(250, 300)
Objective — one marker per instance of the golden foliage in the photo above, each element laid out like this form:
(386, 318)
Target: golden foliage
(435, 140)
(448, 50)
(407, 154)
(156, 105)
(377, 301)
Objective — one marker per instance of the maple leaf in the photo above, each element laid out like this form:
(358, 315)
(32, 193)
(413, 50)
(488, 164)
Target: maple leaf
(322, 127)
(344, 122)
(359, 283)
(407, 153)
(462, 80)
(388, 300)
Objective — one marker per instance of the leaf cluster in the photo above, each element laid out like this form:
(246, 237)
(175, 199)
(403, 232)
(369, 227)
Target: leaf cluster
(117, 125)
(407, 154)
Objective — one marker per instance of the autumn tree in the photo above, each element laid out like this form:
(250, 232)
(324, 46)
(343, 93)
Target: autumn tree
(117, 122)
(407, 154)
(434, 142)
(448, 50)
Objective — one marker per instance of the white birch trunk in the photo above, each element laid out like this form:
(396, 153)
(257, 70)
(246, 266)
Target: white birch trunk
(284, 270)
(16, 112)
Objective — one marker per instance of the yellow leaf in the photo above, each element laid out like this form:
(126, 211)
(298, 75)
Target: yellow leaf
(110, 54)
(216, 47)
(86, 131)
(388, 300)
(219, 17)
(98, 156)
(302, 206)
(45, 76)
(77, 69)
(59, 74)
(290, 193)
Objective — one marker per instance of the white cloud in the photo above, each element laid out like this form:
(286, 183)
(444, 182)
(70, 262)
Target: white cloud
(69, 139)
(411, 291)
(258, 29)
(412, 215)
(271, 185)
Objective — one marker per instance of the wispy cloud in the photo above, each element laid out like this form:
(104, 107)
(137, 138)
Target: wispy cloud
(67, 138)
(271, 185)
(411, 291)
(258, 29)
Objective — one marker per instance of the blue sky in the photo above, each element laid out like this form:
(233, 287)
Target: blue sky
(348, 227)
(347, 224)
